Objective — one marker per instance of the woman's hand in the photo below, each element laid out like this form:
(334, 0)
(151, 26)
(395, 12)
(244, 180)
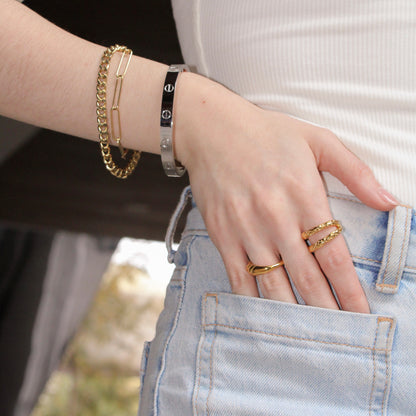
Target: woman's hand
(255, 175)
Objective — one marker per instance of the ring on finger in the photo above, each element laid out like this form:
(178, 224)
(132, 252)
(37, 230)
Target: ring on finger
(256, 270)
(320, 243)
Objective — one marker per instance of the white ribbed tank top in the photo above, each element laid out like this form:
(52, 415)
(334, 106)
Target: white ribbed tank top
(349, 66)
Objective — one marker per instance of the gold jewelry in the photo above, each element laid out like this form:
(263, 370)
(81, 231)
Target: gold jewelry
(325, 240)
(255, 270)
(115, 107)
(119, 172)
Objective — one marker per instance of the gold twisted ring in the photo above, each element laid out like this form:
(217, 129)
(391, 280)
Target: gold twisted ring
(320, 243)
(255, 270)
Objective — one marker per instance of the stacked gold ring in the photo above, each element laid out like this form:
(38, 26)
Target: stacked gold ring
(325, 240)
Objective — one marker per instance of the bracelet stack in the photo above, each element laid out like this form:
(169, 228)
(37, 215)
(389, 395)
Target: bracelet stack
(104, 136)
(172, 167)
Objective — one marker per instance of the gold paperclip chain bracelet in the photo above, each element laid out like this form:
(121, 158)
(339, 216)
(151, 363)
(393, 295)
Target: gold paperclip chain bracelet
(104, 136)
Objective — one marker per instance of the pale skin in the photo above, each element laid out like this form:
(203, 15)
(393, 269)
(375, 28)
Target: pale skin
(255, 174)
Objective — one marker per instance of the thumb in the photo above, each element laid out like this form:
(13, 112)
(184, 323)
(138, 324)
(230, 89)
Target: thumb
(333, 157)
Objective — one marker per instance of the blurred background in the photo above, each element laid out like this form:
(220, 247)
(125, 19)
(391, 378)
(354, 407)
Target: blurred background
(78, 298)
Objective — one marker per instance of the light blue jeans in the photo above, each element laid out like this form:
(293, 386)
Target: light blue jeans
(216, 353)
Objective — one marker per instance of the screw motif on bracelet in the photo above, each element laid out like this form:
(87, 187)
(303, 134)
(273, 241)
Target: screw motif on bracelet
(170, 165)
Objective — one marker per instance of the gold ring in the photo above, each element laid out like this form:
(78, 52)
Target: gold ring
(325, 240)
(255, 270)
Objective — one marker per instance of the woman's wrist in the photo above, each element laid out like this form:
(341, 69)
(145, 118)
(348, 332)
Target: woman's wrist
(202, 106)
(191, 89)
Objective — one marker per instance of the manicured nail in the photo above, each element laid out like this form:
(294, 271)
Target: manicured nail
(388, 197)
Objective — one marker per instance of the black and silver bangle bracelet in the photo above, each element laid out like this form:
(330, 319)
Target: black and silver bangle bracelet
(171, 166)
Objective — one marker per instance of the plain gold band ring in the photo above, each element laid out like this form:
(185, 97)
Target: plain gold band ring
(320, 243)
(255, 270)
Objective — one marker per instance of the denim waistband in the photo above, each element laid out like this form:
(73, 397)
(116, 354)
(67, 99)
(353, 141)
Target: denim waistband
(384, 239)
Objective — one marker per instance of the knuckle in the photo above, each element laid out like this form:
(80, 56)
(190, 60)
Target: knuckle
(238, 281)
(213, 221)
(323, 147)
(237, 208)
(308, 283)
(328, 135)
(296, 184)
(334, 258)
(267, 208)
(272, 284)
(363, 171)
(352, 297)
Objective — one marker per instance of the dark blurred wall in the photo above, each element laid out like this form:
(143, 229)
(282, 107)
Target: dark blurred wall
(147, 27)
(42, 187)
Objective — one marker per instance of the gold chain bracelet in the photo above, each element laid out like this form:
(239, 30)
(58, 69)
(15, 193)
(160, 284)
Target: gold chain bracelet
(119, 172)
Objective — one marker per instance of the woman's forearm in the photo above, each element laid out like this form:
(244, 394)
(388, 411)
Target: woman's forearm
(48, 78)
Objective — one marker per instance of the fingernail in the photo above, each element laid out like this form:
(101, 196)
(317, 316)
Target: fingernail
(388, 197)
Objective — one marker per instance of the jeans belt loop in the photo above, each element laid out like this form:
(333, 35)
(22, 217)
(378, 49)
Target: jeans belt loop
(173, 223)
(395, 250)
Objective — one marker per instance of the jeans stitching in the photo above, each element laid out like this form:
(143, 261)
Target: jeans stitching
(374, 369)
(402, 248)
(169, 338)
(387, 285)
(199, 374)
(344, 198)
(366, 258)
(379, 262)
(388, 369)
(211, 368)
(298, 338)
(199, 355)
(389, 252)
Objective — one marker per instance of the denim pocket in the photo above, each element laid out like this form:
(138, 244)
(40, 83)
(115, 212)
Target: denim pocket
(263, 357)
